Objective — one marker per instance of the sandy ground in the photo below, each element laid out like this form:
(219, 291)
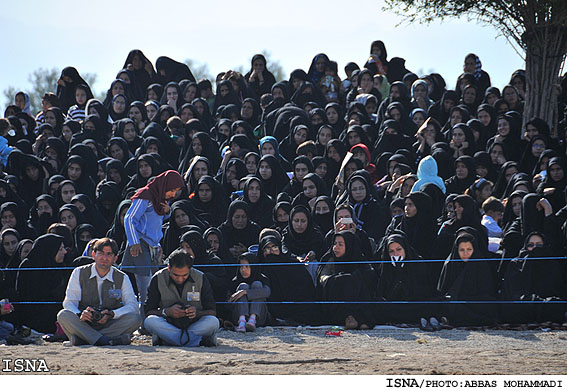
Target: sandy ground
(306, 351)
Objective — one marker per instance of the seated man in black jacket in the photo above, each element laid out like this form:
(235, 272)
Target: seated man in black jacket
(180, 307)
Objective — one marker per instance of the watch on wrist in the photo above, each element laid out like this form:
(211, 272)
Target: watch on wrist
(163, 312)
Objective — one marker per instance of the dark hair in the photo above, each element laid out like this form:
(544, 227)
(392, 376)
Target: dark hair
(204, 84)
(492, 203)
(62, 230)
(100, 244)
(51, 98)
(266, 99)
(179, 259)
(4, 126)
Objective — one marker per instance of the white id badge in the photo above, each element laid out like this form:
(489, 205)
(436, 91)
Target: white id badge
(115, 293)
(193, 296)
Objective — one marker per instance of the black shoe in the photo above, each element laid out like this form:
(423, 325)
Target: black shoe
(15, 340)
(208, 341)
(22, 332)
(55, 338)
(156, 341)
(123, 339)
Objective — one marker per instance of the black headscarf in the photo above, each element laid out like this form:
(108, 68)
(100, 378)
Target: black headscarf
(42, 222)
(142, 76)
(302, 243)
(66, 92)
(116, 230)
(240, 173)
(533, 277)
(324, 221)
(556, 199)
(269, 79)
(260, 211)
(209, 150)
(79, 217)
(84, 184)
(458, 186)
(290, 282)
(246, 236)
(138, 180)
(421, 229)
(25, 231)
(81, 244)
(230, 98)
(482, 158)
(91, 214)
(284, 205)
(255, 273)
(501, 182)
(4, 256)
(42, 285)
(471, 280)
(222, 252)
(401, 280)
(173, 71)
(211, 264)
(173, 232)
(312, 73)
(214, 211)
(279, 179)
(320, 187)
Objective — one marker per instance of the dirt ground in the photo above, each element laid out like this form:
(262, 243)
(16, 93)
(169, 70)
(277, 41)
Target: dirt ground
(303, 351)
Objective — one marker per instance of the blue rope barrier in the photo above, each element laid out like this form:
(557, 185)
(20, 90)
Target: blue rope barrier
(360, 302)
(295, 263)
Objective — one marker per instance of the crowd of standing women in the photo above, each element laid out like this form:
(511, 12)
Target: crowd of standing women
(393, 192)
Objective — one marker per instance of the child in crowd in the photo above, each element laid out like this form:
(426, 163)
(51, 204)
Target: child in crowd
(251, 289)
(493, 210)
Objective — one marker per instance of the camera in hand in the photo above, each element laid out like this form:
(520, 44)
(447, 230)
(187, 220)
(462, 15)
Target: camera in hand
(96, 314)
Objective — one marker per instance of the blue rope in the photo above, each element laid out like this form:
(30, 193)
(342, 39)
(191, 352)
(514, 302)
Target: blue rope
(361, 302)
(293, 263)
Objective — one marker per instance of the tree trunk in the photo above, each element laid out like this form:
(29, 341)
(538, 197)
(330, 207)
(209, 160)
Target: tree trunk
(546, 47)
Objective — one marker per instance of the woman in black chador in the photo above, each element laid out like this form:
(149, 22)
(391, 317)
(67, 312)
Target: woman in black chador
(466, 275)
(399, 280)
(341, 278)
(290, 281)
(48, 251)
(537, 277)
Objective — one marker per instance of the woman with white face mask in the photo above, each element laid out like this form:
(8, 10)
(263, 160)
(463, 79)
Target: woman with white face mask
(405, 281)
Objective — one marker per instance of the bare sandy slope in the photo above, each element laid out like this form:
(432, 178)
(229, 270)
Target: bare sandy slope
(291, 351)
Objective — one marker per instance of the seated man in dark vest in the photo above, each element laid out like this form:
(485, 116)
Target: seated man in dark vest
(180, 308)
(100, 307)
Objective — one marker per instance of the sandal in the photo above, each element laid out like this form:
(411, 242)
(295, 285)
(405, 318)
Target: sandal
(241, 327)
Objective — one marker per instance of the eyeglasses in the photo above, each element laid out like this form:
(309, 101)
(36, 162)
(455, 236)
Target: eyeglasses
(532, 245)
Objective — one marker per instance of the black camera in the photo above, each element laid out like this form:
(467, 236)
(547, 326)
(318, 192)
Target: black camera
(96, 314)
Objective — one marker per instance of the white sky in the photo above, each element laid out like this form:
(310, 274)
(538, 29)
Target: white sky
(96, 37)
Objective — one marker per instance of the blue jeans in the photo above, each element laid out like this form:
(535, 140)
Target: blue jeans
(207, 326)
(5, 329)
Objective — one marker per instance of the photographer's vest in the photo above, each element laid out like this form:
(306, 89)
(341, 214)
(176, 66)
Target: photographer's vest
(170, 294)
(89, 290)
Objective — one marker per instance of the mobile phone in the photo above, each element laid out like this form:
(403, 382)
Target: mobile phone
(346, 220)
